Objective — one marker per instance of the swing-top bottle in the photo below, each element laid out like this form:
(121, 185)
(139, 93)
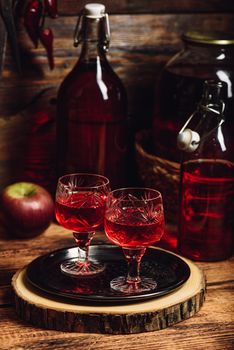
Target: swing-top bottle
(92, 106)
(206, 228)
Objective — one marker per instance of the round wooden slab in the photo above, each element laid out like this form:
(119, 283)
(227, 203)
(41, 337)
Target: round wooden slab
(43, 310)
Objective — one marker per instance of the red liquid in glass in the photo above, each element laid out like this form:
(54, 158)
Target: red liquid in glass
(82, 212)
(91, 129)
(207, 210)
(128, 228)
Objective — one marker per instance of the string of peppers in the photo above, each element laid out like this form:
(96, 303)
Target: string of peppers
(34, 20)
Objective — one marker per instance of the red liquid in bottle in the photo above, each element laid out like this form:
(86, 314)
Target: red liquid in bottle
(207, 210)
(92, 109)
(91, 129)
(82, 212)
(130, 229)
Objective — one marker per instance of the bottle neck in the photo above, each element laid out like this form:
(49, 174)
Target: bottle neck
(93, 40)
(91, 52)
(213, 95)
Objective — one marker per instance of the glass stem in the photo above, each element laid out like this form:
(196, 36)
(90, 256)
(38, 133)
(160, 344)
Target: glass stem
(83, 241)
(133, 257)
(86, 254)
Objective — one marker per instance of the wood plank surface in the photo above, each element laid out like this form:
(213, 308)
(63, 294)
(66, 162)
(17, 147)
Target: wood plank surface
(140, 46)
(40, 309)
(212, 328)
(151, 6)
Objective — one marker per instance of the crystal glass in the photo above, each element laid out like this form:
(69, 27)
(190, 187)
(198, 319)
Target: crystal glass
(134, 220)
(80, 205)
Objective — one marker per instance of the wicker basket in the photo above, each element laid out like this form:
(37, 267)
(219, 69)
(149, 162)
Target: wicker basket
(158, 173)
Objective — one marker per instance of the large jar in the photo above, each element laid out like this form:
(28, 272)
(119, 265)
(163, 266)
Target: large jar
(179, 88)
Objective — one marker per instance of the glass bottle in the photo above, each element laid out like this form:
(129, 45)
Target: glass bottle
(206, 228)
(92, 106)
(204, 56)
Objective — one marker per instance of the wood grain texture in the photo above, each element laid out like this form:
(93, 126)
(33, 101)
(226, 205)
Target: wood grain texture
(212, 328)
(150, 6)
(140, 46)
(42, 310)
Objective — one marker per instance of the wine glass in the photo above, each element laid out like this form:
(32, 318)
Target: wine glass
(134, 219)
(79, 206)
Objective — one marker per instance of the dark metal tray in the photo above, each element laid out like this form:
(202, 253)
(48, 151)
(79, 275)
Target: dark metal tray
(167, 269)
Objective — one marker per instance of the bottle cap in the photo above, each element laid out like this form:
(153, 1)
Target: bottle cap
(209, 38)
(94, 10)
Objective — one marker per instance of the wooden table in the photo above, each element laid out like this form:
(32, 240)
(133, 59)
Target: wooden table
(211, 328)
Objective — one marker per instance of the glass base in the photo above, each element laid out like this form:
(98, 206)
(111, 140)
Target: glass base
(120, 284)
(76, 268)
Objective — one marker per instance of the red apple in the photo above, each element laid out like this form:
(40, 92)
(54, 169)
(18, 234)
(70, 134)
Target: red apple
(28, 209)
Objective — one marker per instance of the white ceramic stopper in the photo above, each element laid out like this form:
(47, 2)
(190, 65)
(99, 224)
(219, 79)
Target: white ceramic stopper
(94, 10)
(188, 140)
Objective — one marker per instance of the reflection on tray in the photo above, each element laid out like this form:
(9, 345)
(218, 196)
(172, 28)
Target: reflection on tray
(167, 269)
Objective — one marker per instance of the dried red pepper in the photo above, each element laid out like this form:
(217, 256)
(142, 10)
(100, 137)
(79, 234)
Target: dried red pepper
(32, 19)
(46, 38)
(51, 8)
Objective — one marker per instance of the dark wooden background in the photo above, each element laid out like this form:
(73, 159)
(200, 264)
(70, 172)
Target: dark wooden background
(145, 35)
